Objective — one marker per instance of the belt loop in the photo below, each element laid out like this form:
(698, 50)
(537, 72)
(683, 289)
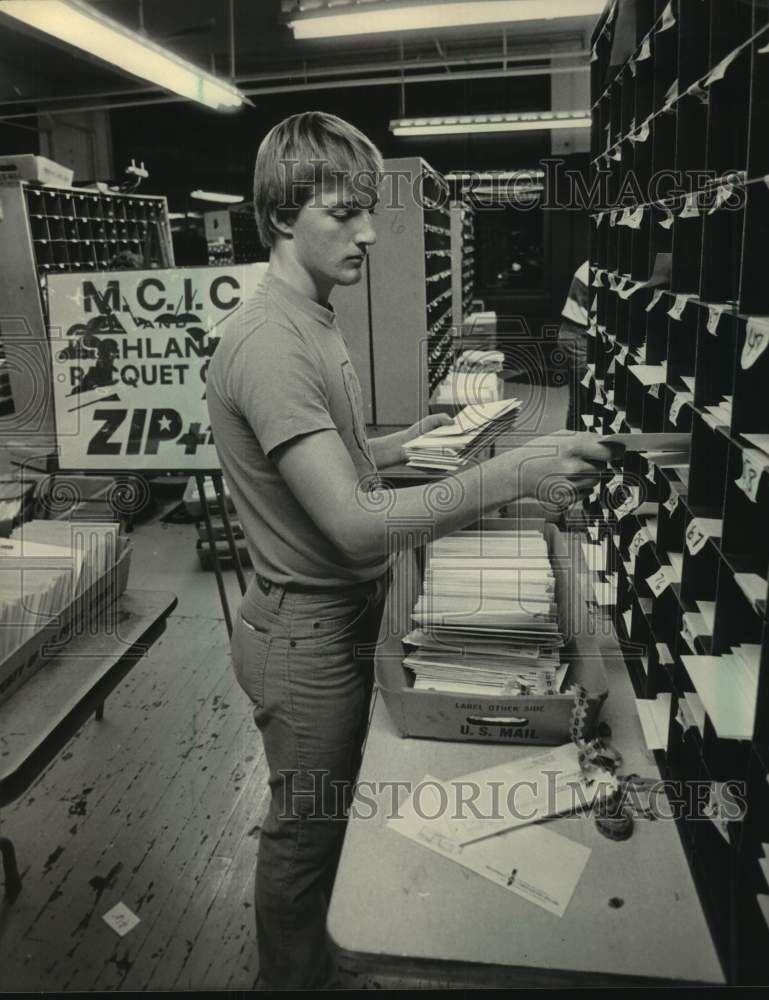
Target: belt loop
(267, 587)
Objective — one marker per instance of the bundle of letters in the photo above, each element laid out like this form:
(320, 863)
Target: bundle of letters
(479, 361)
(44, 566)
(452, 445)
(486, 621)
(469, 388)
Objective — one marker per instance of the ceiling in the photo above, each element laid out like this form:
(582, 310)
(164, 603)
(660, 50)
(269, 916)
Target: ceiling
(265, 57)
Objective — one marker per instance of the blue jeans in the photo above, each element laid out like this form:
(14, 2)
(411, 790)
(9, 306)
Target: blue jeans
(305, 659)
(574, 345)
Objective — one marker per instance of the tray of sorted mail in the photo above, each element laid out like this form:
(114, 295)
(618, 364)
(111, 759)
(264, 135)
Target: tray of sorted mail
(485, 637)
(57, 578)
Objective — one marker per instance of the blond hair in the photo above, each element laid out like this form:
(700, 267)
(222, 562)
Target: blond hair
(302, 153)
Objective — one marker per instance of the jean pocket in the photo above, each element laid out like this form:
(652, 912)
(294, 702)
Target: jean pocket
(250, 651)
(321, 622)
(253, 625)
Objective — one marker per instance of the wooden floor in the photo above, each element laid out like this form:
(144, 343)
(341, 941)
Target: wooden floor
(159, 807)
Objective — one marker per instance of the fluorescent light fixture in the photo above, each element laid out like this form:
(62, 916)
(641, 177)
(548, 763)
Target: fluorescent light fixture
(514, 188)
(495, 175)
(465, 124)
(517, 194)
(224, 199)
(371, 18)
(82, 27)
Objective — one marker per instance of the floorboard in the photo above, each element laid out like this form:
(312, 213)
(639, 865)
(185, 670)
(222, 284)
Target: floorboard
(157, 806)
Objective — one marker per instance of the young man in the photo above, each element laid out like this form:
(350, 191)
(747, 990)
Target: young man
(572, 335)
(285, 407)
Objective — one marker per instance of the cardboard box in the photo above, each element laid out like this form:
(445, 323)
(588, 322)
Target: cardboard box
(28, 167)
(193, 504)
(83, 612)
(547, 719)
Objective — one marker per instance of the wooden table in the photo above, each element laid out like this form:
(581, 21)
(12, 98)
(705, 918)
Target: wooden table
(398, 908)
(403, 474)
(47, 711)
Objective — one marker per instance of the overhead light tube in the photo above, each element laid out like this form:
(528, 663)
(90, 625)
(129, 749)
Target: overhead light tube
(79, 25)
(467, 124)
(373, 18)
(224, 199)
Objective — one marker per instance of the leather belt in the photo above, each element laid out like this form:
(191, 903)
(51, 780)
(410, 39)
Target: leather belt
(266, 586)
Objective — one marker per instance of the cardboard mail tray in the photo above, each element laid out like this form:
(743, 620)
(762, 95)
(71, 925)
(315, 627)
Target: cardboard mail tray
(84, 612)
(545, 719)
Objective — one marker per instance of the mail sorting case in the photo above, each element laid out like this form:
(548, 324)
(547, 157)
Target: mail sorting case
(548, 719)
(690, 94)
(462, 259)
(398, 319)
(46, 231)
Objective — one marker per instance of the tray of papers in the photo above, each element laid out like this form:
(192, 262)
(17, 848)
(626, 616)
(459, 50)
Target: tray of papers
(549, 712)
(193, 503)
(474, 428)
(36, 645)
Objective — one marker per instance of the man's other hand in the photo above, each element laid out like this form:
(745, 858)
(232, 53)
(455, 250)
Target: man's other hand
(427, 424)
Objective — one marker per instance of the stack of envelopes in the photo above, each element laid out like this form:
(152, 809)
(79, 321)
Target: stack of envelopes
(480, 361)
(44, 566)
(486, 621)
(469, 388)
(452, 445)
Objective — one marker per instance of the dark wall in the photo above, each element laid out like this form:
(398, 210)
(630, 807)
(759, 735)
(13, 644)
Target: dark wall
(14, 139)
(185, 147)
